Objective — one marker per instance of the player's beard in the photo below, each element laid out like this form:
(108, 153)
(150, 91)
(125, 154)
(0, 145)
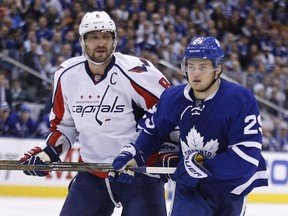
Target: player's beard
(99, 57)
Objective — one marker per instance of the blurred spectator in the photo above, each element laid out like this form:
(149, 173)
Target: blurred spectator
(5, 93)
(178, 78)
(121, 13)
(6, 41)
(43, 31)
(31, 9)
(66, 51)
(45, 69)
(77, 10)
(59, 60)
(16, 54)
(243, 50)
(270, 143)
(21, 123)
(44, 48)
(52, 15)
(4, 115)
(285, 103)
(19, 95)
(17, 21)
(122, 39)
(130, 47)
(267, 58)
(171, 14)
(284, 137)
(30, 58)
(70, 38)
(150, 8)
(30, 38)
(235, 23)
(135, 6)
(180, 26)
(232, 63)
(253, 77)
(249, 25)
(276, 97)
(199, 15)
(43, 125)
(56, 43)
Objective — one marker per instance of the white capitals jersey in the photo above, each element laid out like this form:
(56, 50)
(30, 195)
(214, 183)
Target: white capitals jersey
(102, 114)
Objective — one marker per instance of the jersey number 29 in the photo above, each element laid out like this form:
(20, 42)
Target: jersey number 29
(251, 121)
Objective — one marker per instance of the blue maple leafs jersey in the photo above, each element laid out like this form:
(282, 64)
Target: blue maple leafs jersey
(225, 128)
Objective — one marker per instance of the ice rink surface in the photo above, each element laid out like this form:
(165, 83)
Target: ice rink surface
(15, 206)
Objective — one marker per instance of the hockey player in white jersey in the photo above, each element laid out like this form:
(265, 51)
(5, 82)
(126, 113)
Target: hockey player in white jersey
(98, 98)
(220, 136)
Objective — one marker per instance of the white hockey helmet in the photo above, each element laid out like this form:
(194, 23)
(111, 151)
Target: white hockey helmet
(97, 21)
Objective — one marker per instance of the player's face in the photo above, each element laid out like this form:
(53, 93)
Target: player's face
(99, 45)
(201, 73)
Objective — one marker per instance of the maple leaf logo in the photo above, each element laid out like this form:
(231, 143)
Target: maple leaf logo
(195, 143)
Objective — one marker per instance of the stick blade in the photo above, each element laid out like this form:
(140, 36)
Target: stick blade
(154, 170)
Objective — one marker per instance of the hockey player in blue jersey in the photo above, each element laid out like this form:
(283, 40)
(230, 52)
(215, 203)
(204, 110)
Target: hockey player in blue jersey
(220, 136)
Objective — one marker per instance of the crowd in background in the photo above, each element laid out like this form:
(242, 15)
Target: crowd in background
(41, 34)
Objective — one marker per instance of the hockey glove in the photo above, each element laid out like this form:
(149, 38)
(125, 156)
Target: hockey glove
(37, 156)
(128, 157)
(168, 156)
(190, 171)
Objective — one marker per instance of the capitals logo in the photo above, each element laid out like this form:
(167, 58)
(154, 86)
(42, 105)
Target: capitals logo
(100, 107)
(141, 68)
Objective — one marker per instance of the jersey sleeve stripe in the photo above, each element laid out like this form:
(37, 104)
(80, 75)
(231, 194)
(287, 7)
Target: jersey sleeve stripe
(58, 107)
(258, 175)
(249, 144)
(150, 99)
(245, 156)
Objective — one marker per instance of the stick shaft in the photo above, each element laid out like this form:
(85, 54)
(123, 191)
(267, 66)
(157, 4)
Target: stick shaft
(81, 167)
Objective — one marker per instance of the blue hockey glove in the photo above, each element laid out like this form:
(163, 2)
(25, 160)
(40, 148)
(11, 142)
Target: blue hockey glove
(37, 156)
(128, 157)
(190, 171)
(168, 156)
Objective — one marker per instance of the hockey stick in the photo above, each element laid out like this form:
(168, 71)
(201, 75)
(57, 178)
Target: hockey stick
(81, 167)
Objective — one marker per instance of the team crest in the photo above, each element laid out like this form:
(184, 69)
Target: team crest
(142, 68)
(139, 69)
(198, 41)
(195, 143)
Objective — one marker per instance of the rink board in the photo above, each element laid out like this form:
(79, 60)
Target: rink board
(15, 183)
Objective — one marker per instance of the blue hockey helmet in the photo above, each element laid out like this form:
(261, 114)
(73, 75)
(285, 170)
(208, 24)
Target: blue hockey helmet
(204, 48)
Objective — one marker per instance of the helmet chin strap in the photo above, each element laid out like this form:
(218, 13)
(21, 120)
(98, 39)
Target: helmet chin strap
(209, 86)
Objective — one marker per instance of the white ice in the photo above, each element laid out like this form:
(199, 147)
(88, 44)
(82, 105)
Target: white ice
(15, 206)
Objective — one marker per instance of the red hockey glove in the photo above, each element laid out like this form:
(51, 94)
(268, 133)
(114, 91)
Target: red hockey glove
(168, 157)
(37, 156)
